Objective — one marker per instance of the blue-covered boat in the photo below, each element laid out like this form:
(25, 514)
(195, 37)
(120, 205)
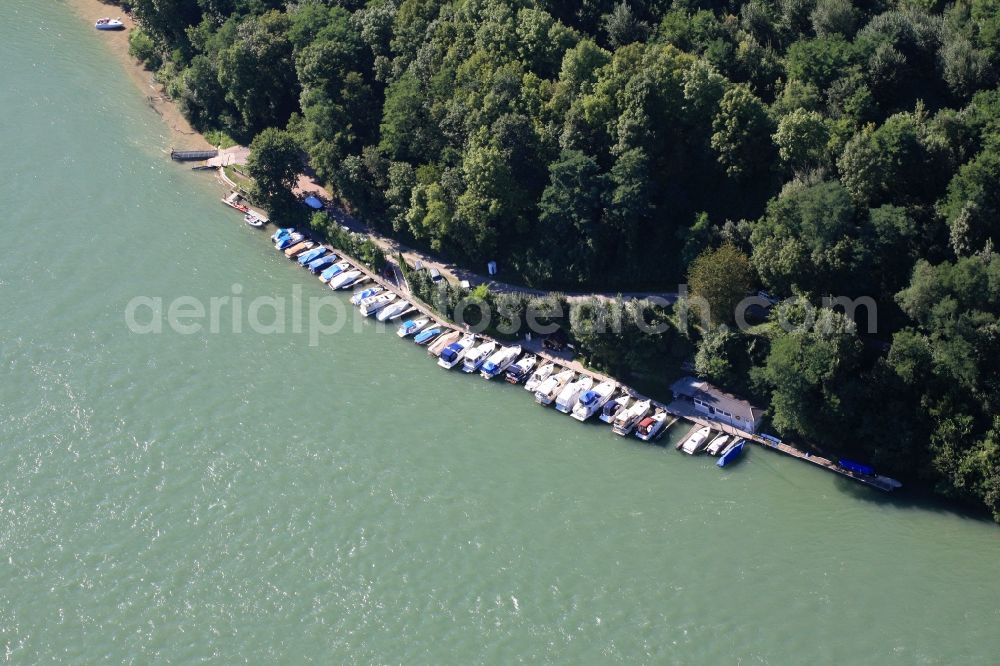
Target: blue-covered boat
(314, 253)
(282, 233)
(288, 241)
(317, 265)
(333, 271)
(367, 293)
(426, 336)
(732, 453)
(856, 467)
(411, 326)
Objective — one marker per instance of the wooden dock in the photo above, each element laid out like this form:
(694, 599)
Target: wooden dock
(192, 155)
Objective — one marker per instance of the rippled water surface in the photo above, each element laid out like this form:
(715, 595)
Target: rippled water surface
(250, 498)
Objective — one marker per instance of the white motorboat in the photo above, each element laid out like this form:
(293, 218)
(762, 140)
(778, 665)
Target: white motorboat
(539, 376)
(628, 419)
(409, 327)
(696, 442)
(613, 407)
(650, 427)
(370, 306)
(716, 446)
(455, 352)
(108, 23)
(255, 220)
(499, 361)
(393, 310)
(344, 280)
(553, 386)
(476, 357)
(592, 401)
(570, 395)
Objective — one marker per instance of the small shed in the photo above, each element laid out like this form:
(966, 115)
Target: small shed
(717, 405)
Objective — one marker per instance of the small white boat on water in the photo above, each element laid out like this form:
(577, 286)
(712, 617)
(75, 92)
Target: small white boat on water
(476, 357)
(499, 361)
(518, 372)
(108, 23)
(454, 352)
(696, 442)
(571, 393)
(343, 280)
(549, 389)
(255, 220)
(370, 306)
(393, 310)
(539, 376)
(651, 426)
(592, 401)
(614, 406)
(410, 326)
(628, 419)
(716, 446)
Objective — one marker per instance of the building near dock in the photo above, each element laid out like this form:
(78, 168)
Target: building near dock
(717, 405)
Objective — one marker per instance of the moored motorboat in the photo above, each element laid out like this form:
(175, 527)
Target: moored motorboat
(651, 426)
(333, 271)
(570, 395)
(344, 279)
(108, 23)
(499, 361)
(539, 376)
(393, 310)
(370, 306)
(475, 357)
(308, 256)
(411, 326)
(717, 445)
(320, 264)
(731, 453)
(435, 348)
(284, 232)
(592, 401)
(612, 407)
(696, 442)
(629, 418)
(425, 336)
(551, 387)
(291, 239)
(255, 220)
(297, 249)
(365, 293)
(455, 352)
(521, 370)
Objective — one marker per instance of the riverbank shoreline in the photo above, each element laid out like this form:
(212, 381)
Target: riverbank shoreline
(182, 136)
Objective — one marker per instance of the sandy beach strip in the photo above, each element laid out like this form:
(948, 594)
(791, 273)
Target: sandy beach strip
(182, 135)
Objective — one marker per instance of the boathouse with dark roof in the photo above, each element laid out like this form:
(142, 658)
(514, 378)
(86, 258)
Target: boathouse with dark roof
(716, 404)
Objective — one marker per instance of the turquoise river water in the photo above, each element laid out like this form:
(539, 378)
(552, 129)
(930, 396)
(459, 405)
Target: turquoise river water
(250, 498)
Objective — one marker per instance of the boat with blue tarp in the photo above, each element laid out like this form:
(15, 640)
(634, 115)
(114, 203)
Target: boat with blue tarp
(732, 452)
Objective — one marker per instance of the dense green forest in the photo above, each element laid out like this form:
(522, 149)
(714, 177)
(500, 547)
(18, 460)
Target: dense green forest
(806, 147)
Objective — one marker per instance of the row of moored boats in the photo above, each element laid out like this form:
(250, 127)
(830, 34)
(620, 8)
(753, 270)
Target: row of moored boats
(578, 395)
(703, 439)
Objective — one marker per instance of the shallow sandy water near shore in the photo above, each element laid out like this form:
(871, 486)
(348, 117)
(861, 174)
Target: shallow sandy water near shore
(182, 136)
